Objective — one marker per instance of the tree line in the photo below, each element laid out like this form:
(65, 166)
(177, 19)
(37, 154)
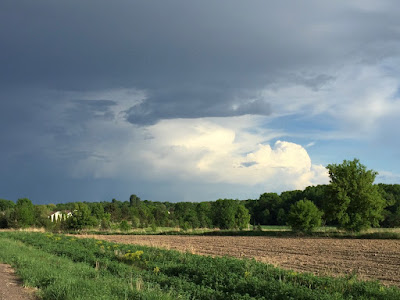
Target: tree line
(351, 201)
(223, 213)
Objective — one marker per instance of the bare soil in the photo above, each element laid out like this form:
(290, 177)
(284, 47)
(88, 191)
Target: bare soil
(11, 287)
(369, 259)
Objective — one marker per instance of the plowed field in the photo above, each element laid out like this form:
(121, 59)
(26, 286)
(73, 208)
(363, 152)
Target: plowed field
(369, 259)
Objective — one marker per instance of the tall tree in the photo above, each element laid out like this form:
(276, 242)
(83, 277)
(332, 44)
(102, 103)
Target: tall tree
(24, 214)
(134, 200)
(242, 217)
(354, 201)
(268, 207)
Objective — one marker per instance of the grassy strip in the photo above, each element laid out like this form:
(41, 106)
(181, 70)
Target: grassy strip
(200, 277)
(61, 278)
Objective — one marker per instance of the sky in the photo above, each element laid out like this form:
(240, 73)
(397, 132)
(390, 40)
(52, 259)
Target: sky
(194, 100)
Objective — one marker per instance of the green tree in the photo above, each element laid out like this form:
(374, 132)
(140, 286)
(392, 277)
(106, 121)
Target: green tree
(42, 213)
(6, 204)
(267, 208)
(281, 217)
(6, 213)
(186, 214)
(105, 223)
(134, 200)
(7, 218)
(204, 214)
(24, 214)
(230, 214)
(224, 213)
(242, 217)
(81, 217)
(316, 194)
(391, 194)
(97, 211)
(114, 209)
(304, 216)
(354, 201)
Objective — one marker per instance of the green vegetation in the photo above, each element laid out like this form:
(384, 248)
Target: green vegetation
(391, 194)
(60, 277)
(81, 218)
(24, 213)
(124, 226)
(68, 268)
(355, 202)
(304, 216)
(230, 214)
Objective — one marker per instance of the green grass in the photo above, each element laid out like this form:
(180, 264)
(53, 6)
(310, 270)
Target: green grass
(64, 267)
(59, 277)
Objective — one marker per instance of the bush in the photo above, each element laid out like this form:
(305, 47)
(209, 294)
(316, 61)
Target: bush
(105, 224)
(304, 216)
(124, 226)
(3, 221)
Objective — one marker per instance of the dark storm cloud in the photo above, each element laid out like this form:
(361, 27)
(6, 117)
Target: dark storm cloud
(88, 109)
(193, 104)
(192, 57)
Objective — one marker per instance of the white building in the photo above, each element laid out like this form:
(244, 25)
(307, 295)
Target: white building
(60, 215)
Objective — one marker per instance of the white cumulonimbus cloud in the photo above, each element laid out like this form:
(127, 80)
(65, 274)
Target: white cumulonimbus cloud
(207, 150)
(204, 150)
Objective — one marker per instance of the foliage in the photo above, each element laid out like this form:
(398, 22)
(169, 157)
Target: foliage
(24, 213)
(134, 200)
(6, 204)
(42, 219)
(81, 217)
(105, 222)
(354, 201)
(268, 204)
(304, 216)
(124, 226)
(242, 217)
(230, 214)
(6, 218)
(391, 194)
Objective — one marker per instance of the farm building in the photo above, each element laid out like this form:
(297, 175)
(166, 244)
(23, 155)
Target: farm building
(60, 215)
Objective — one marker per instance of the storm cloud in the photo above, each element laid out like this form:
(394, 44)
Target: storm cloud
(88, 89)
(193, 59)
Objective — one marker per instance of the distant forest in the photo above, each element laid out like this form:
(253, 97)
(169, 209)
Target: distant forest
(268, 209)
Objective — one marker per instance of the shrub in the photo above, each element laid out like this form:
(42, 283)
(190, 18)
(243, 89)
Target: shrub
(304, 216)
(124, 226)
(105, 224)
